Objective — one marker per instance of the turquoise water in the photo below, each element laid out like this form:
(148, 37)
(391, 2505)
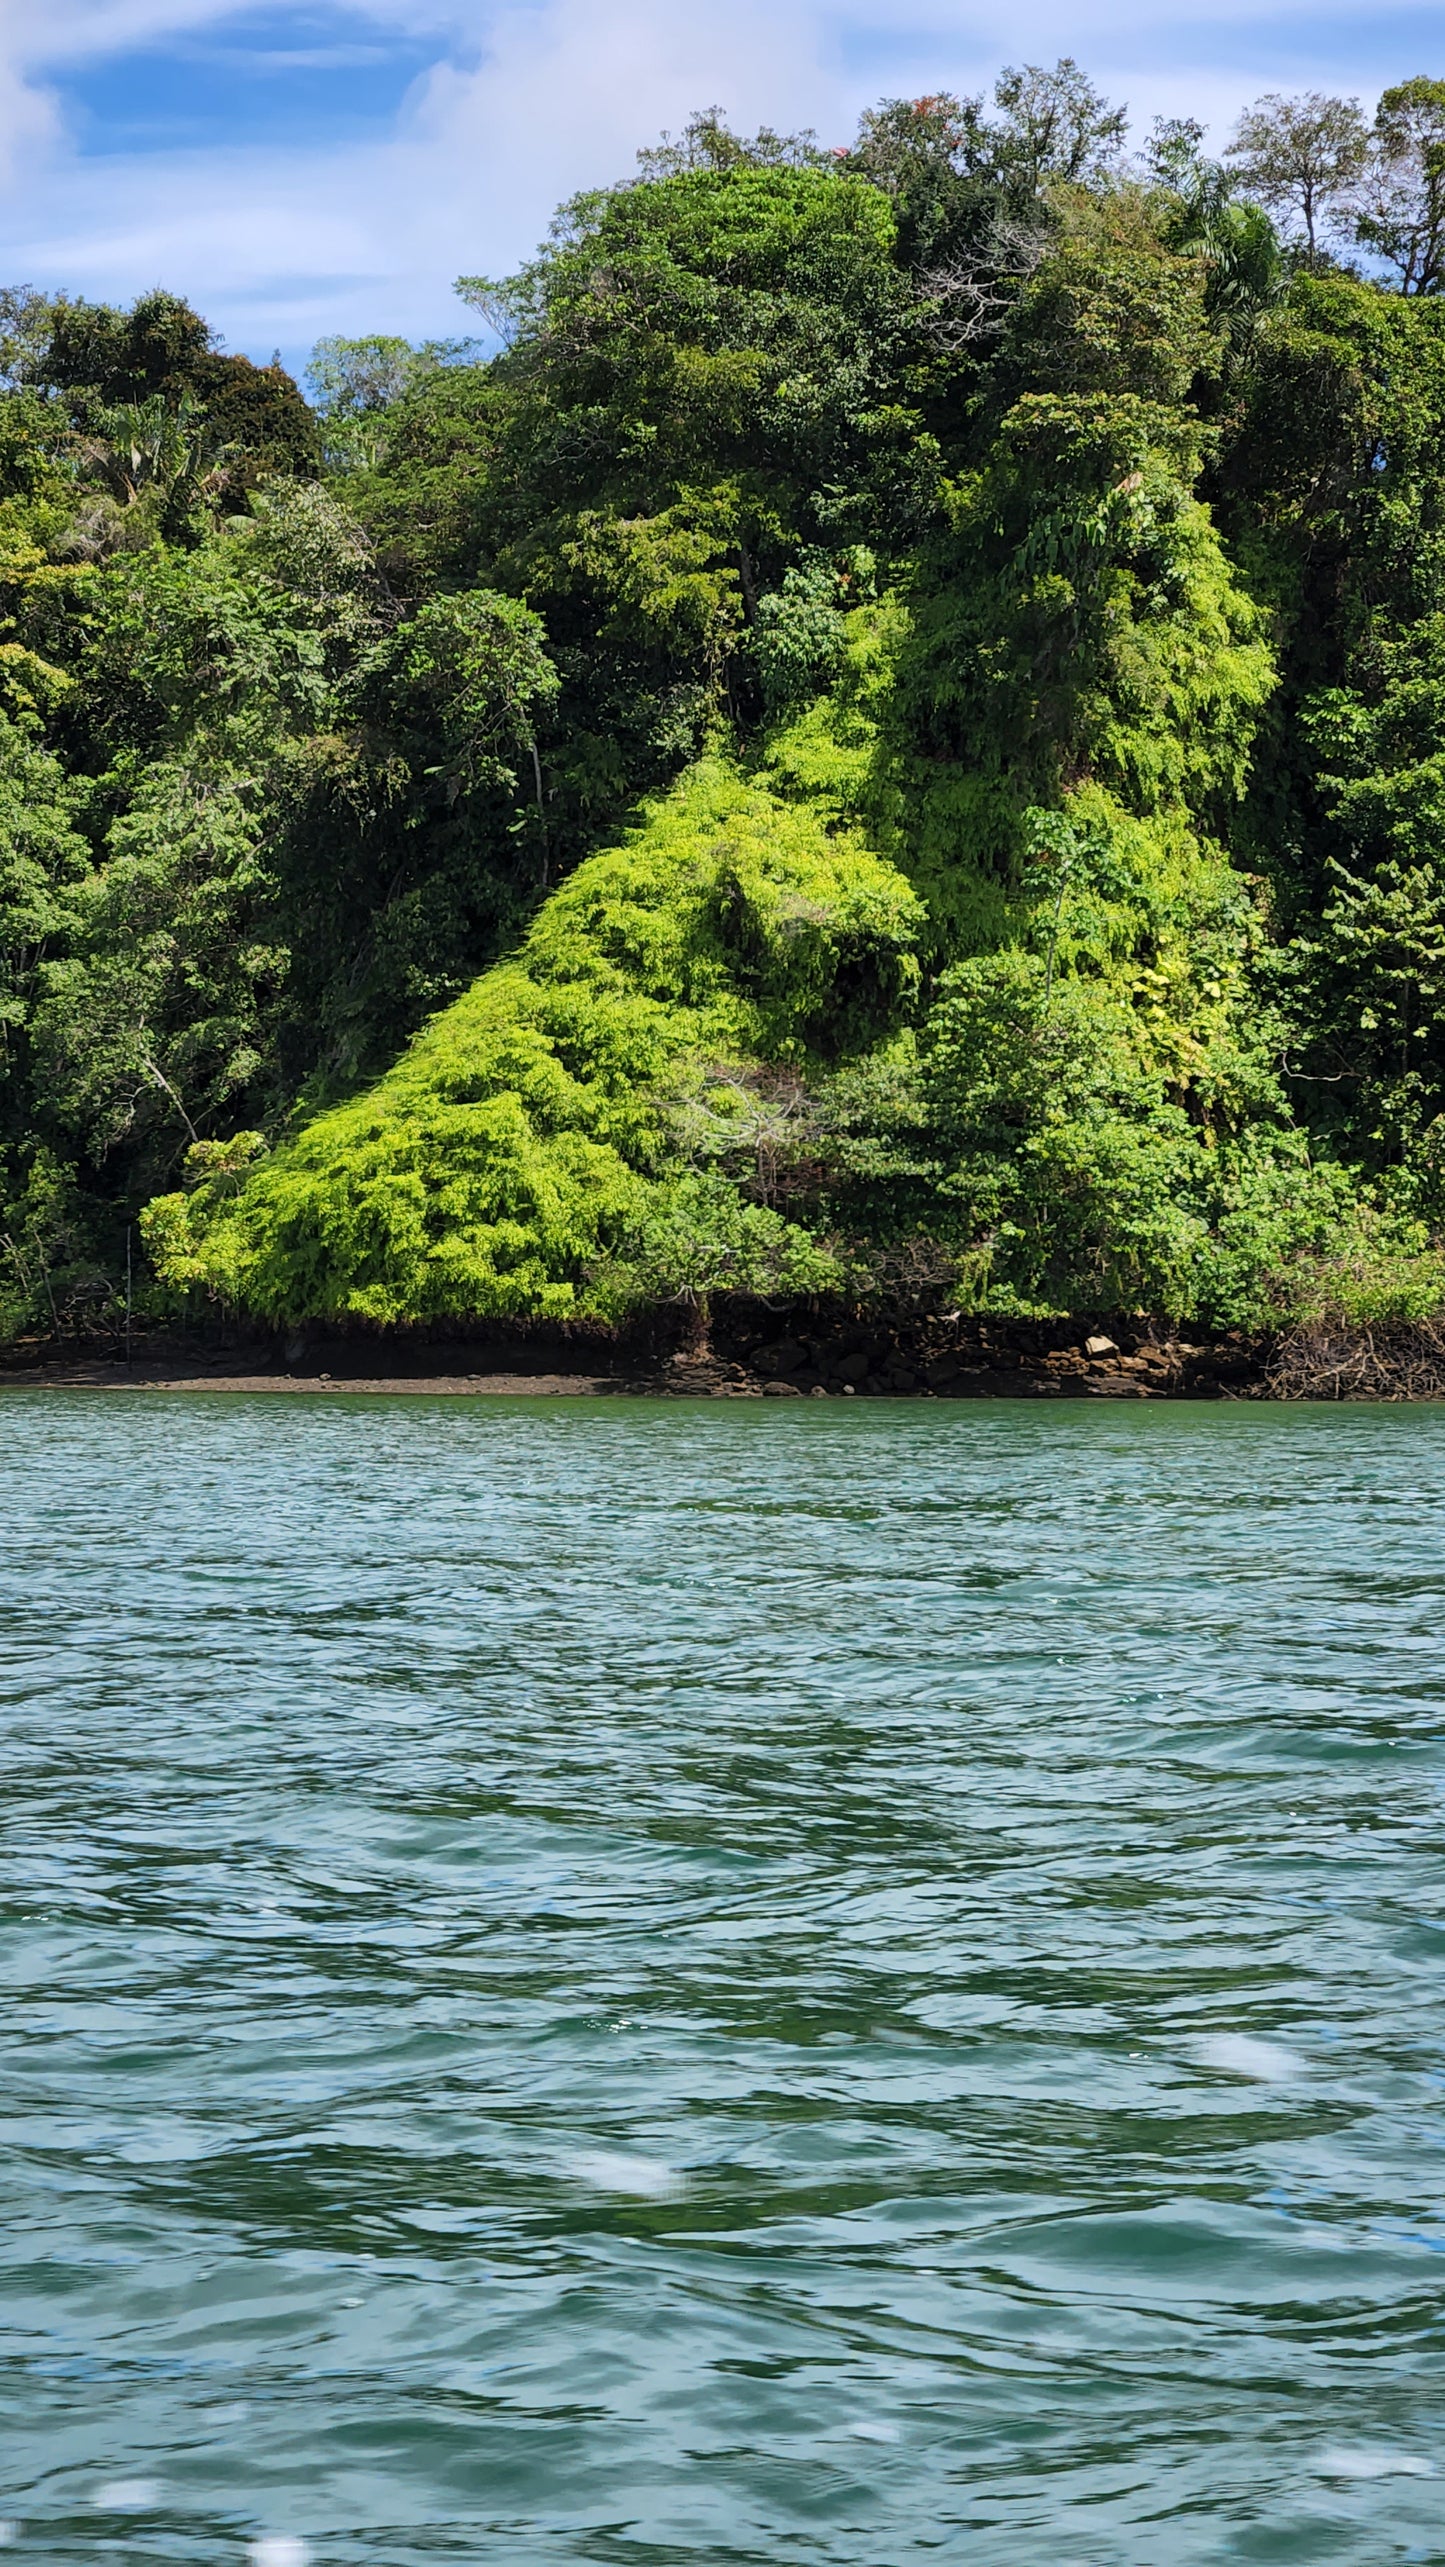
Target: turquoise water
(641, 1982)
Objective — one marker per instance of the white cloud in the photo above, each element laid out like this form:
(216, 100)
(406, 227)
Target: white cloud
(283, 244)
(29, 128)
(536, 99)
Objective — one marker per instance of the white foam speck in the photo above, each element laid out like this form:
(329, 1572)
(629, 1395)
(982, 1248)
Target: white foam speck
(647, 2177)
(8, 2531)
(1267, 2062)
(278, 2549)
(1373, 2464)
(868, 2431)
(128, 2495)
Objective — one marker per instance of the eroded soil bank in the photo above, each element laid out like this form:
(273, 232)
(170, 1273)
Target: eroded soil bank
(749, 1351)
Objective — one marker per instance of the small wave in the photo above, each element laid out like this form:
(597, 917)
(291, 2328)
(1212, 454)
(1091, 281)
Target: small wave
(128, 2496)
(1373, 2464)
(647, 2177)
(1268, 2063)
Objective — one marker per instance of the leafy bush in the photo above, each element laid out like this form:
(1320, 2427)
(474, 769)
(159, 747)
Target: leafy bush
(516, 1161)
(1064, 1150)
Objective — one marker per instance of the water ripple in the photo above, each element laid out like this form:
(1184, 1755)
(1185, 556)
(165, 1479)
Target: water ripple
(636, 1982)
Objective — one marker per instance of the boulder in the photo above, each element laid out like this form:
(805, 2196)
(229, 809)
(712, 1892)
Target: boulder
(785, 1357)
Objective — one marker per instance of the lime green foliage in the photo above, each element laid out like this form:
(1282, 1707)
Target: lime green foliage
(1078, 636)
(516, 1160)
(1092, 1115)
(830, 753)
(1047, 741)
(1080, 623)
(1062, 727)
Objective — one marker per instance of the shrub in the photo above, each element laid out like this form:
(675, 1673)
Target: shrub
(515, 1161)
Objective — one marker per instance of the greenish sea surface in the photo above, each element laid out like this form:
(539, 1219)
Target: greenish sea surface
(640, 1982)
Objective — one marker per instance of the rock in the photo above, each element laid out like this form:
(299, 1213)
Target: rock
(781, 1390)
(942, 1371)
(1100, 1346)
(853, 1368)
(785, 1357)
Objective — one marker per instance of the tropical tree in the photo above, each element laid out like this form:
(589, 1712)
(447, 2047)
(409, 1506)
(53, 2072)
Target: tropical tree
(356, 383)
(707, 141)
(1235, 237)
(1057, 125)
(1403, 216)
(1305, 157)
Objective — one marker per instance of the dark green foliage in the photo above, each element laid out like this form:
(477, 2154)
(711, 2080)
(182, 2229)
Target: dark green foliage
(708, 377)
(42, 858)
(1335, 485)
(46, 1246)
(1076, 1167)
(121, 360)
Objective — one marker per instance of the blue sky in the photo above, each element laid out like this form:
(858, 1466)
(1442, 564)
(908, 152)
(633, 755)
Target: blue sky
(302, 169)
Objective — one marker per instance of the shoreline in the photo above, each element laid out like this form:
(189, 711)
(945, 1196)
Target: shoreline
(944, 1361)
(747, 1349)
(750, 1351)
(169, 1377)
(680, 1379)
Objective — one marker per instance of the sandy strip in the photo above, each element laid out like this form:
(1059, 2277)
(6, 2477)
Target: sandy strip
(323, 1385)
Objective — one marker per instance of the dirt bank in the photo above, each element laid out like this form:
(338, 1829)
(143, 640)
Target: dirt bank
(752, 1352)
(749, 1352)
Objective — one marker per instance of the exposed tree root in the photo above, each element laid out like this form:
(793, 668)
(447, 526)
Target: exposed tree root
(1336, 1358)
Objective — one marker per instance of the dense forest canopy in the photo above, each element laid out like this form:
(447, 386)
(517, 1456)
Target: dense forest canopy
(885, 719)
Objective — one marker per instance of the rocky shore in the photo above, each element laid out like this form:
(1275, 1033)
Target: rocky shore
(749, 1351)
(952, 1357)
